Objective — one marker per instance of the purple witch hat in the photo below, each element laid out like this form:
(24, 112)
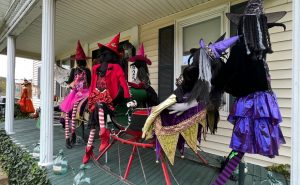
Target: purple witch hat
(216, 49)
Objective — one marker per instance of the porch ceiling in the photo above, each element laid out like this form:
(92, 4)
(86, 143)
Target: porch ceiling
(4, 5)
(95, 20)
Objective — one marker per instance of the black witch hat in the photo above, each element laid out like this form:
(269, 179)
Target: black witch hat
(255, 7)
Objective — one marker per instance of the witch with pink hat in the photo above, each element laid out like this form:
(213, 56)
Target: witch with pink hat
(79, 81)
(142, 81)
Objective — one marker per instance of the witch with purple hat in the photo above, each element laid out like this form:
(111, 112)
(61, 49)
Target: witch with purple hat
(255, 113)
(181, 118)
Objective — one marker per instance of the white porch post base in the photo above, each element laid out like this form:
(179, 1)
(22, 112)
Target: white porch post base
(10, 86)
(47, 87)
(295, 169)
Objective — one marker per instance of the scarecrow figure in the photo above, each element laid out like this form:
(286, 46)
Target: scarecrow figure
(140, 61)
(181, 118)
(255, 113)
(79, 81)
(108, 88)
(25, 101)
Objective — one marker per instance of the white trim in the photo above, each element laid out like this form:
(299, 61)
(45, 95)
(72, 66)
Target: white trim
(295, 168)
(219, 11)
(47, 82)
(187, 21)
(10, 86)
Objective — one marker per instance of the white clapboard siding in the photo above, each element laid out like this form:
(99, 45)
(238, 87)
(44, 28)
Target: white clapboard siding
(35, 99)
(280, 63)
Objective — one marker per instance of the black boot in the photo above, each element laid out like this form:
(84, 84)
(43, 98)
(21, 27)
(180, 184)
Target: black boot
(73, 138)
(68, 143)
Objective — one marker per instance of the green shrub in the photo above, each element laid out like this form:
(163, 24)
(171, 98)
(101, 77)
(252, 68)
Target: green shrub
(283, 169)
(19, 164)
(17, 113)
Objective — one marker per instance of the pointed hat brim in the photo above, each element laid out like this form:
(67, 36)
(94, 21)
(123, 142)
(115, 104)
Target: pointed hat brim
(271, 17)
(140, 58)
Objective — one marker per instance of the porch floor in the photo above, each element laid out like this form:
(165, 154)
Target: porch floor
(185, 171)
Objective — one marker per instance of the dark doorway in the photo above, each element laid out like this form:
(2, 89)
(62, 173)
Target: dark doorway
(165, 62)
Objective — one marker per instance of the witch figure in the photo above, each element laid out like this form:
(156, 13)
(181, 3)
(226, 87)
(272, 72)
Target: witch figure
(142, 80)
(108, 89)
(79, 81)
(25, 102)
(255, 113)
(181, 118)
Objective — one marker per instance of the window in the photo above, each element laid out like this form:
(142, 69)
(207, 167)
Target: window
(209, 30)
(39, 83)
(67, 63)
(209, 25)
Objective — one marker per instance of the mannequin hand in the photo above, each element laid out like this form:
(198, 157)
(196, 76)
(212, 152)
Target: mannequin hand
(155, 112)
(71, 85)
(180, 108)
(79, 94)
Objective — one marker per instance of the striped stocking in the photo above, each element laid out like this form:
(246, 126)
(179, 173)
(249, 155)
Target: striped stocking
(104, 133)
(91, 138)
(67, 126)
(101, 119)
(74, 116)
(234, 159)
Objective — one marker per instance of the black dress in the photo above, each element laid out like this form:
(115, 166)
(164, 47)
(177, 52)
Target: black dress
(242, 74)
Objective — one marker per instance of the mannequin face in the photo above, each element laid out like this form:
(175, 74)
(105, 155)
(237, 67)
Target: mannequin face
(81, 63)
(107, 56)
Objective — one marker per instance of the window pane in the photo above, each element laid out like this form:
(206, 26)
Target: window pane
(66, 63)
(208, 30)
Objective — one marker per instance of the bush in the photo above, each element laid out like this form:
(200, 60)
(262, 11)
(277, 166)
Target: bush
(17, 114)
(19, 164)
(283, 169)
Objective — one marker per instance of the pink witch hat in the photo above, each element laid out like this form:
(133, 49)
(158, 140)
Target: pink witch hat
(140, 56)
(80, 55)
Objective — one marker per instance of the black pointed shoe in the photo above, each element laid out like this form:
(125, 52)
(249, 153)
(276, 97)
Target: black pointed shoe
(68, 143)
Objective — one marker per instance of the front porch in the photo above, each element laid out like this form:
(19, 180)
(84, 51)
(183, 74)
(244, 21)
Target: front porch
(185, 171)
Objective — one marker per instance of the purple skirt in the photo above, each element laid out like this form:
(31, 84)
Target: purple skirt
(256, 119)
(171, 119)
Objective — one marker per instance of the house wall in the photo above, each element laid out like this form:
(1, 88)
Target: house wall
(35, 87)
(130, 34)
(280, 63)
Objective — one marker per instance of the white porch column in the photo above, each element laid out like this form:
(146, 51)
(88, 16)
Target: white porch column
(295, 178)
(10, 86)
(47, 65)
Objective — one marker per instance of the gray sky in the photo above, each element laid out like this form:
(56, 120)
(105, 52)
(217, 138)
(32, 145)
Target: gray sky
(23, 68)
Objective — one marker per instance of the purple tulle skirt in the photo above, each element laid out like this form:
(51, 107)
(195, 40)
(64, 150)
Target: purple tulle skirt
(256, 119)
(171, 119)
(74, 96)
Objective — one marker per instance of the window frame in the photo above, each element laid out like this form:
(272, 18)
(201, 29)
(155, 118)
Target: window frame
(215, 12)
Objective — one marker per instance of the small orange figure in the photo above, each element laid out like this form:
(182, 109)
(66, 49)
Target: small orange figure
(25, 101)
